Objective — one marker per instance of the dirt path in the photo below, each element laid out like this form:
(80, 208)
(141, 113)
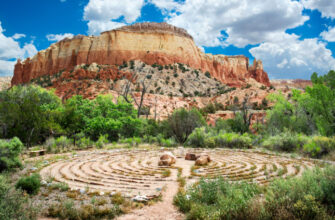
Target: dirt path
(163, 210)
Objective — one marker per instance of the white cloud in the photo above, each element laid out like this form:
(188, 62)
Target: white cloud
(289, 57)
(96, 27)
(10, 50)
(58, 37)
(18, 36)
(6, 68)
(326, 7)
(101, 14)
(62, 0)
(165, 5)
(329, 35)
(244, 22)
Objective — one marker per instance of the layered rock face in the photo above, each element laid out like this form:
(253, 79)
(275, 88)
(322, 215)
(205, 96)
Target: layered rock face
(151, 43)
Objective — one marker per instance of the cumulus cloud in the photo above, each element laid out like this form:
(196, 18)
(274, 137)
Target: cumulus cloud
(6, 67)
(329, 35)
(165, 5)
(102, 14)
(18, 36)
(326, 7)
(58, 37)
(289, 57)
(219, 23)
(237, 22)
(10, 50)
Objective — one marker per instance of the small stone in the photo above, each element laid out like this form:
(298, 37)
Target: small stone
(82, 191)
(140, 198)
(43, 183)
(33, 168)
(102, 193)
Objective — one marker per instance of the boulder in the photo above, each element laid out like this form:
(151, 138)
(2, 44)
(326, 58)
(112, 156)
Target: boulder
(167, 159)
(202, 160)
(190, 156)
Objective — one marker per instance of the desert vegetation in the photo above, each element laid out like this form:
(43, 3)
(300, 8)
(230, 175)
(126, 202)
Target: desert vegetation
(104, 151)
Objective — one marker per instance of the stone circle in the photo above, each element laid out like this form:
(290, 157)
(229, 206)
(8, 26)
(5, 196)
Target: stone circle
(136, 172)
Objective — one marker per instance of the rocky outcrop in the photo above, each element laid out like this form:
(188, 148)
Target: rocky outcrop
(151, 43)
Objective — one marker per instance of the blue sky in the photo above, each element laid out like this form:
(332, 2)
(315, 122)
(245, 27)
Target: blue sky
(292, 38)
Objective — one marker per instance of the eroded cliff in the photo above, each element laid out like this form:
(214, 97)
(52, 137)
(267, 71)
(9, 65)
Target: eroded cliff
(151, 43)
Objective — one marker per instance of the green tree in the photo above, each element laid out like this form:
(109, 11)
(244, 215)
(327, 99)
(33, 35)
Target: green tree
(30, 113)
(322, 102)
(183, 122)
(101, 116)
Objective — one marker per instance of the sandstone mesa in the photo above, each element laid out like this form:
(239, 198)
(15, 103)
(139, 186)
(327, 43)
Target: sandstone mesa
(150, 43)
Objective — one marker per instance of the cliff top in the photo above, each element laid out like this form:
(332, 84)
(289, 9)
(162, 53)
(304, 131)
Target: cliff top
(153, 27)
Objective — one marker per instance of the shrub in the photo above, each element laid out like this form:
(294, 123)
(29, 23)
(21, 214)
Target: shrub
(103, 139)
(63, 142)
(51, 146)
(217, 199)
(175, 75)
(202, 137)
(170, 142)
(68, 210)
(30, 184)
(183, 122)
(208, 74)
(13, 205)
(233, 140)
(308, 197)
(209, 109)
(286, 141)
(9, 154)
(132, 142)
(222, 125)
(311, 196)
(198, 137)
(84, 143)
(263, 87)
(319, 146)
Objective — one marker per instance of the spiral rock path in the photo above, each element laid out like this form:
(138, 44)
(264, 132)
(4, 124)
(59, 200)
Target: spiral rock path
(136, 172)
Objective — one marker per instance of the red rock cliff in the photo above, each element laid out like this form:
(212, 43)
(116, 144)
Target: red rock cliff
(149, 42)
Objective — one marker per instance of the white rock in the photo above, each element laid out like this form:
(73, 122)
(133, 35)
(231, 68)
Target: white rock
(82, 191)
(43, 183)
(33, 168)
(139, 198)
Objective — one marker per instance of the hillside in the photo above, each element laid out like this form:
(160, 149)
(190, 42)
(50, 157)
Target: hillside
(5, 82)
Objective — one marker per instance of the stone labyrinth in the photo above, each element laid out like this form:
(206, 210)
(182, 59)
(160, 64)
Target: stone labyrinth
(134, 172)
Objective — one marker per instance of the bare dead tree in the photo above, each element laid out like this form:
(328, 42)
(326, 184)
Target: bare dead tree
(127, 90)
(155, 117)
(246, 114)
